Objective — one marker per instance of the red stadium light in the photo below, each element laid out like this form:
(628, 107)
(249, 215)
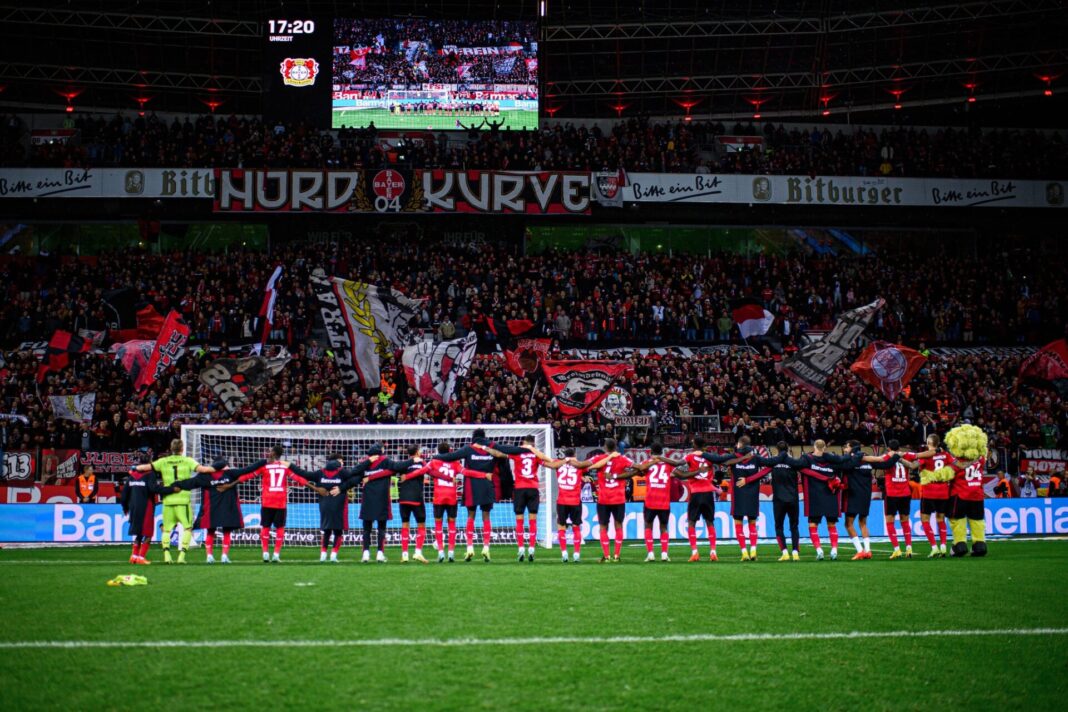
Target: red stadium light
(551, 111)
(756, 116)
(897, 106)
(971, 99)
(70, 109)
(1048, 92)
(825, 112)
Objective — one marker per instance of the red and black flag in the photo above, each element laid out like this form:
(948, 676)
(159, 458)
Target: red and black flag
(527, 356)
(495, 332)
(1048, 367)
(57, 355)
(888, 367)
(580, 386)
(169, 347)
(751, 317)
(149, 322)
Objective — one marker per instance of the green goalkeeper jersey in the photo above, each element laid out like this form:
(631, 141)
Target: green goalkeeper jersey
(171, 469)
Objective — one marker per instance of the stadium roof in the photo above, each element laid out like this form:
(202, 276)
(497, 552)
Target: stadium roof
(778, 59)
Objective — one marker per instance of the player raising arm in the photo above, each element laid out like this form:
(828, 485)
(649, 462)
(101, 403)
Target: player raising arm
(375, 506)
(220, 507)
(897, 502)
(857, 496)
(140, 494)
(177, 506)
(479, 493)
(526, 462)
(821, 484)
(333, 505)
(611, 495)
(657, 498)
(274, 496)
(569, 479)
(934, 494)
(445, 477)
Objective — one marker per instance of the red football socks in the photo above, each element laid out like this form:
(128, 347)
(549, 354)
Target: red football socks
(752, 534)
(664, 538)
(814, 535)
(691, 533)
(265, 538)
(739, 534)
(439, 537)
(833, 531)
(891, 531)
(420, 536)
(469, 531)
(906, 529)
(404, 538)
(942, 532)
(619, 539)
(604, 541)
(209, 543)
(487, 532)
(520, 532)
(279, 538)
(226, 543)
(532, 530)
(576, 538)
(561, 536)
(928, 530)
(649, 539)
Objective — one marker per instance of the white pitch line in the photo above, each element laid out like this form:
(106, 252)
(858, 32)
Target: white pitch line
(562, 640)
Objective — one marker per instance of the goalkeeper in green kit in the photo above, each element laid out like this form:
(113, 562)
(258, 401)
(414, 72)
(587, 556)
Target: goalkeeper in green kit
(177, 506)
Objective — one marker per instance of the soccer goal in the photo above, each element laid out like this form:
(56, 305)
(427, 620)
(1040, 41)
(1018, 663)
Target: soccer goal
(307, 446)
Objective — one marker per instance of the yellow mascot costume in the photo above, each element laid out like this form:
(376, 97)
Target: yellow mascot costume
(968, 444)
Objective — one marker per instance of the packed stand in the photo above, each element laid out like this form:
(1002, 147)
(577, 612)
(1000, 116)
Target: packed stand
(633, 144)
(585, 301)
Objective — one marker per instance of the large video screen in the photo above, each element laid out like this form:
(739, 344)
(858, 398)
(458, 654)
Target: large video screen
(435, 74)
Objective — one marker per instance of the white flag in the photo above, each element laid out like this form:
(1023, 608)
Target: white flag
(78, 408)
(435, 369)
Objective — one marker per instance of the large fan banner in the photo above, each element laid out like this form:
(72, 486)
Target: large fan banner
(169, 347)
(580, 386)
(814, 363)
(1048, 367)
(364, 325)
(888, 367)
(233, 380)
(434, 369)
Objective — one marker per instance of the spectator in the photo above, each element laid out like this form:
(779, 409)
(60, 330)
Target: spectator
(86, 486)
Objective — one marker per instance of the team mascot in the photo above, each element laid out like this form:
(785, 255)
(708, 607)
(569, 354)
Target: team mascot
(968, 444)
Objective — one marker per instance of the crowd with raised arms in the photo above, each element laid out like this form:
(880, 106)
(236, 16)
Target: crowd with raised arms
(633, 144)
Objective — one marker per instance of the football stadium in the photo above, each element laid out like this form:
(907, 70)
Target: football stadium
(534, 355)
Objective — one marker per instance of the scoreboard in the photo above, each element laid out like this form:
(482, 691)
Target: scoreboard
(297, 71)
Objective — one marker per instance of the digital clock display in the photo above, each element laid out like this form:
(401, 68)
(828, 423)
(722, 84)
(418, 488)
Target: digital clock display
(283, 30)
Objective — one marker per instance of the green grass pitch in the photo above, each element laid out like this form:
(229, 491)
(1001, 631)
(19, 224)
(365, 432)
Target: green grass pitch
(473, 635)
(514, 120)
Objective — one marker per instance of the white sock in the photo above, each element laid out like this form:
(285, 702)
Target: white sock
(856, 543)
(785, 552)
(867, 545)
(418, 551)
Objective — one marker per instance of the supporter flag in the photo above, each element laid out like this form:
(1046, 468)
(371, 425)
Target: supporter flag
(95, 338)
(812, 365)
(233, 380)
(580, 386)
(120, 308)
(149, 322)
(888, 367)
(608, 188)
(364, 325)
(169, 347)
(527, 355)
(133, 355)
(435, 369)
(57, 355)
(270, 296)
(78, 408)
(752, 318)
(1048, 367)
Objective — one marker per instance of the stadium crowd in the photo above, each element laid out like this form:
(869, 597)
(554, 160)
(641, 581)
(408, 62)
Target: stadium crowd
(636, 145)
(586, 301)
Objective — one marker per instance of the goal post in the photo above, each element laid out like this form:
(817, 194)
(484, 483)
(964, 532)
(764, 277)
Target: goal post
(308, 445)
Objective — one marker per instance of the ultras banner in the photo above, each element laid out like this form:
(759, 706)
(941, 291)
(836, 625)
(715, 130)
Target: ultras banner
(393, 191)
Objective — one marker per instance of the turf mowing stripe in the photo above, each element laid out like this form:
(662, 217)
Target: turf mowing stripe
(569, 640)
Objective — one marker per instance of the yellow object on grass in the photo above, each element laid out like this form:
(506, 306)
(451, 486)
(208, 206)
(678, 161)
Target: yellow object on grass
(128, 580)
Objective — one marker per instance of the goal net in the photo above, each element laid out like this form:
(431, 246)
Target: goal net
(307, 446)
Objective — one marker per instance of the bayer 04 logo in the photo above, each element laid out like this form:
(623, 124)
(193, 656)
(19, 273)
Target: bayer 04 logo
(617, 403)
